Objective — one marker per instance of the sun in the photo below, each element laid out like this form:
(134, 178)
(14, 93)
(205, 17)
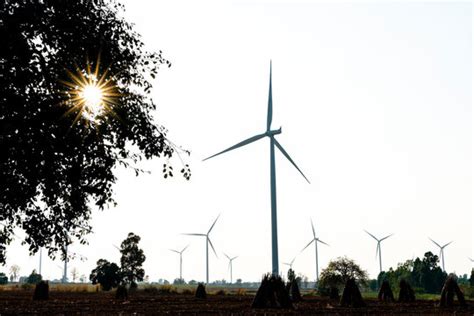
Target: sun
(90, 95)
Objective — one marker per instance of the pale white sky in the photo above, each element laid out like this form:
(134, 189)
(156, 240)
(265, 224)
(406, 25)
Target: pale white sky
(375, 103)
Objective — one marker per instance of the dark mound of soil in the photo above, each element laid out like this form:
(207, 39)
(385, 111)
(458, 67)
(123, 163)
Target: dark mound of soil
(351, 295)
(385, 292)
(201, 291)
(41, 292)
(406, 293)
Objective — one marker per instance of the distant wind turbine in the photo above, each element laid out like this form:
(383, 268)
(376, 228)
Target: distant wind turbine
(208, 242)
(290, 264)
(273, 143)
(378, 250)
(315, 240)
(441, 251)
(230, 265)
(180, 261)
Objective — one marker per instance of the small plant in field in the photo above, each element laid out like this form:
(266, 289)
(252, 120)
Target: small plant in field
(201, 291)
(167, 289)
(41, 292)
(220, 292)
(187, 291)
(150, 289)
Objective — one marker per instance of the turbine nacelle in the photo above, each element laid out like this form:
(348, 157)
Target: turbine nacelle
(270, 133)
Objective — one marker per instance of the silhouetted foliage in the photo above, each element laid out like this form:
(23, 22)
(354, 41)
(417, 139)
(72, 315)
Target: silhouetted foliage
(3, 278)
(450, 289)
(292, 286)
(272, 293)
(351, 295)
(121, 293)
(107, 274)
(201, 291)
(334, 293)
(471, 279)
(132, 260)
(385, 292)
(406, 293)
(41, 292)
(53, 160)
(339, 271)
(34, 278)
(179, 281)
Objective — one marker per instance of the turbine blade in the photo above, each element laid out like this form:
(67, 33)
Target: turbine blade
(435, 242)
(472, 260)
(289, 158)
(317, 239)
(184, 248)
(234, 258)
(308, 244)
(270, 101)
(386, 237)
(292, 261)
(116, 247)
(242, 143)
(195, 234)
(213, 224)
(371, 235)
(312, 226)
(210, 243)
(226, 256)
(174, 250)
(447, 244)
(287, 264)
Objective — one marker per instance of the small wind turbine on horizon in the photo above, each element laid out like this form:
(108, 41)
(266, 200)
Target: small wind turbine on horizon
(230, 265)
(208, 242)
(441, 251)
(315, 240)
(180, 261)
(378, 250)
(273, 143)
(290, 264)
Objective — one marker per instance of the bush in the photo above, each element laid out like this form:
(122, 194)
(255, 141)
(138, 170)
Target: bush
(167, 289)
(220, 292)
(187, 291)
(34, 278)
(41, 291)
(241, 292)
(107, 274)
(3, 278)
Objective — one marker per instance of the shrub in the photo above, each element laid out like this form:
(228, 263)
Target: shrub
(107, 274)
(167, 289)
(220, 292)
(187, 291)
(3, 278)
(34, 278)
(241, 292)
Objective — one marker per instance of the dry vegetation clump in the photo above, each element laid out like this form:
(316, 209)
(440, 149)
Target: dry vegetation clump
(187, 291)
(272, 293)
(41, 292)
(406, 293)
(385, 292)
(167, 289)
(450, 288)
(220, 292)
(241, 292)
(351, 295)
(201, 291)
(121, 293)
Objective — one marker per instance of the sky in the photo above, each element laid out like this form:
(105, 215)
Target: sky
(375, 104)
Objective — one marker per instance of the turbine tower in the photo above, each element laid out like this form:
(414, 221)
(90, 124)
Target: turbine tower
(378, 250)
(273, 143)
(315, 240)
(441, 251)
(180, 261)
(230, 265)
(208, 242)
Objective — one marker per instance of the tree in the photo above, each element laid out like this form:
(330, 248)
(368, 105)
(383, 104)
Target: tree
(132, 260)
(14, 272)
(427, 274)
(34, 278)
(58, 154)
(107, 274)
(339, 271)
(471, 279)
(74, 274)
(3, 278)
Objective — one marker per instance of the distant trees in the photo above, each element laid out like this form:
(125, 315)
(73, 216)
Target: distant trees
(14, 272)
(132, 260)
(107, 274)
(423, 274)
(34, 278)
(3, 278)
(471, 279)
(338, 271)
(74, 274)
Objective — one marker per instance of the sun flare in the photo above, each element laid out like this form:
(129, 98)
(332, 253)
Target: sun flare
(90, 95)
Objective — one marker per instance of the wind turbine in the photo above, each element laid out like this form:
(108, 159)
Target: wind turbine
(290, 264)
(470, 259)
(208, 242)
(180, 261)
(315, 240)
(378, 250)
(273, 143)
(230, 265)
(441, 251)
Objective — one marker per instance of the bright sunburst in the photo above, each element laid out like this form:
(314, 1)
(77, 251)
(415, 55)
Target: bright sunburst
(90, 95)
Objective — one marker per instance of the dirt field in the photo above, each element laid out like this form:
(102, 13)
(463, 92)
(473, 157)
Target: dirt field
(143, 303)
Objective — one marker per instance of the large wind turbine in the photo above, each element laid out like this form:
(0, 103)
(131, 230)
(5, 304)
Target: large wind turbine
(441, 251)
(180, 261)
(378, 250)
(273, 143)
(230, 265)
(208, 242)
(315, 240)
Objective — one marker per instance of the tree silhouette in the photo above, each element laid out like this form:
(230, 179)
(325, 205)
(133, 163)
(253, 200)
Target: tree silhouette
(55, 161)
(339, 271)
(132, 260)
(107, 274)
